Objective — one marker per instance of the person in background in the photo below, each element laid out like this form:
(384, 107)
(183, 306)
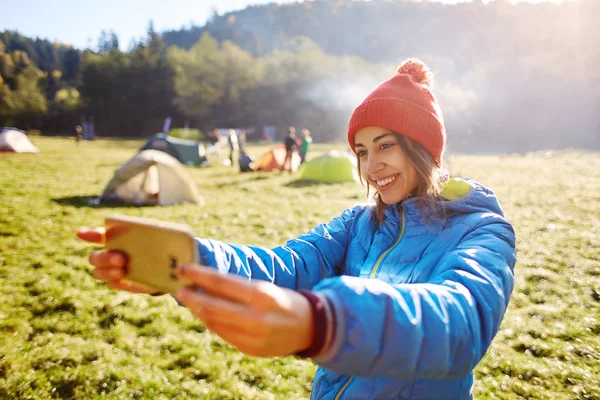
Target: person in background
(232, 139)
(290, 148)
(78, 133)
(214, 137)
(399, 299)
(306, 141)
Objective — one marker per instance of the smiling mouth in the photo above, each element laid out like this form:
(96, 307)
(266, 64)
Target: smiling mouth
(382, 184)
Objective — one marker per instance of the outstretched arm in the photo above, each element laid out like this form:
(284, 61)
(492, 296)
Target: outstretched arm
(299, 264)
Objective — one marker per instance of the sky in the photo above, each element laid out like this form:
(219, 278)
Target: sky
(80, 22)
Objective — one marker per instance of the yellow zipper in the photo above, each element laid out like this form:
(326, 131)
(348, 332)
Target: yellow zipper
(376, 267)
(337, 397)
(373, 273)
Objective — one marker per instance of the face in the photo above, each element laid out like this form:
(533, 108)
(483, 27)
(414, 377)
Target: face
(383, 164)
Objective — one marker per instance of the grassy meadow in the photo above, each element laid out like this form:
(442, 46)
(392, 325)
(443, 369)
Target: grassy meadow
(64, 335)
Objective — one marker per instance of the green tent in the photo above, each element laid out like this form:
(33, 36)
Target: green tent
(334, 166)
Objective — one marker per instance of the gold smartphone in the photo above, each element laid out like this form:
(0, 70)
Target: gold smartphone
(153, 250)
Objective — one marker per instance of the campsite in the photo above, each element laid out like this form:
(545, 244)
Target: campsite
(65, 335)
(389, 199)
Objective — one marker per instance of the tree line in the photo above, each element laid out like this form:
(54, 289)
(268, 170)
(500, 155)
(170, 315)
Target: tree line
(210, 85)
(508, 77)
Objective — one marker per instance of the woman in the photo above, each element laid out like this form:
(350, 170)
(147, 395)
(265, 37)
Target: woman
(232, 139)
(400, 299)
(291, 146)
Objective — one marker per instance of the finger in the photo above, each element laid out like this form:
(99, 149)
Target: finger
(108, 259)
(261, 294)
(108, 274)
(129, 286)
(215, 311)
(92, 235)
(228, 286)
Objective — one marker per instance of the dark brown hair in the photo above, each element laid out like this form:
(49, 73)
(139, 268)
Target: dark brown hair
(429, 180)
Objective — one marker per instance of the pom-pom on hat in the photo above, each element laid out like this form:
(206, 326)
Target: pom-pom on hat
(404, 104)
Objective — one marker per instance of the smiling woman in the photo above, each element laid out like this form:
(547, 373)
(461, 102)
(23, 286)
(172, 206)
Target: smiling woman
(394, 301)
(404, 158)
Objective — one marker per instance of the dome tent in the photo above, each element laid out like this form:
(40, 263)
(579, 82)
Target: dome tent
(151, 177)
(273, 159)
(334, 166)
(16, 141)
(187, 152)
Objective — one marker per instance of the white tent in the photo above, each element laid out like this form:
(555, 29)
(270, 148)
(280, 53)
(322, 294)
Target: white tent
(151, 177)
(14, 140)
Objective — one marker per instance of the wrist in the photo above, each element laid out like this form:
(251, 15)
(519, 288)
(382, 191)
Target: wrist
(323, 324)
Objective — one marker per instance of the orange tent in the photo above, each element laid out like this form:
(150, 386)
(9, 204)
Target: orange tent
(273, 160)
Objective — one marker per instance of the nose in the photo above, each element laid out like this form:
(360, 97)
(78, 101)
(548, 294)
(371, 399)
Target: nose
(373, 164)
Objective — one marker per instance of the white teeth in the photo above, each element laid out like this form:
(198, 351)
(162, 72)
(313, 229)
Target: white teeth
(385, 181)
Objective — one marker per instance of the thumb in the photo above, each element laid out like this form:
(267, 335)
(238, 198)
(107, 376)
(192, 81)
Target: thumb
(92, 235)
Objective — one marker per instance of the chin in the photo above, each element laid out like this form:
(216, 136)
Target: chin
(390, 200)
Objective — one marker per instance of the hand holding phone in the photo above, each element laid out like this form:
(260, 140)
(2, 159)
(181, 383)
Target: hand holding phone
(153, 250)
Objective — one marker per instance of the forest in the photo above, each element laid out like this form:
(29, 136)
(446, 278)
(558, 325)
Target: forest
(509, 77)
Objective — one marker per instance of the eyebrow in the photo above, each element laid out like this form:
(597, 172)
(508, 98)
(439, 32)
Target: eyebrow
(377, 138)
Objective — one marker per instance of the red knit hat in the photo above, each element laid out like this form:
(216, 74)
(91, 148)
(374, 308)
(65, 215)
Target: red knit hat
(404, 104)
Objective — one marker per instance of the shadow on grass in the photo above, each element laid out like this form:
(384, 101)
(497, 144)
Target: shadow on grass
(241, 182)
(253, 175)
(84, 201)
(259, 177)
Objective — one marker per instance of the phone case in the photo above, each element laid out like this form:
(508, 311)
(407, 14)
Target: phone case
(153, 248)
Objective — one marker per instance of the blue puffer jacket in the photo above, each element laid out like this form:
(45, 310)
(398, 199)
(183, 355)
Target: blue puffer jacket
(417, 304)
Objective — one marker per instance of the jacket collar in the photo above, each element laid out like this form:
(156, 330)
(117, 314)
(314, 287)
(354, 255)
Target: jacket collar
(458, 195)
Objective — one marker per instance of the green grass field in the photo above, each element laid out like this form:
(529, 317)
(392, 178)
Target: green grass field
(64, 335)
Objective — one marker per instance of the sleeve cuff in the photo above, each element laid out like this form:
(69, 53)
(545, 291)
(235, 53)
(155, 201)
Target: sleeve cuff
(323, 324)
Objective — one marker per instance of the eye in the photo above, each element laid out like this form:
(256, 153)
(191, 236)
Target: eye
(361, 153)
(384, 146)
